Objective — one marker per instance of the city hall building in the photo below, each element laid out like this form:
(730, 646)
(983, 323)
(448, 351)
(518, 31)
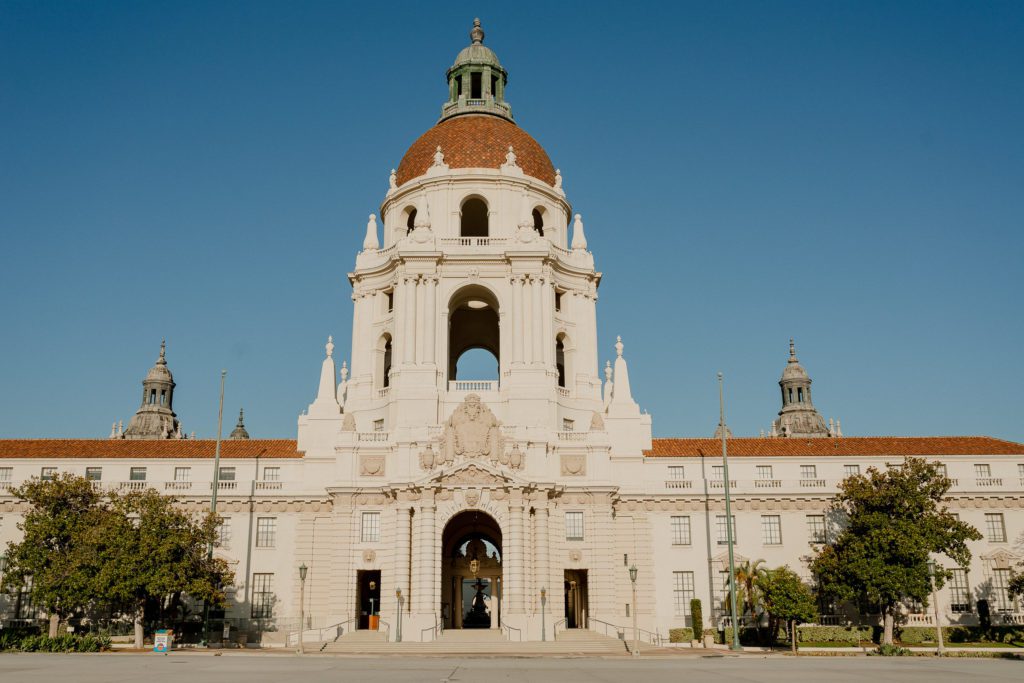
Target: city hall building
(515, 504)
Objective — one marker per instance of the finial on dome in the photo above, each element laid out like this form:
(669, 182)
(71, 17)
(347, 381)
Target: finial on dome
(344, 370)
(393, 180)
(792, 351)
(438, 157)
(371, 241)
(240, 431)
(329, 346)
(558, 179)
(608, 371)
(579, 238)
(476, 34)
(163, 352)
(618, 346)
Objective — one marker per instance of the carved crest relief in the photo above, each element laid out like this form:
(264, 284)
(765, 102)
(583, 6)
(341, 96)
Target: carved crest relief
(371, 465)
(472, 433)
(574, 465)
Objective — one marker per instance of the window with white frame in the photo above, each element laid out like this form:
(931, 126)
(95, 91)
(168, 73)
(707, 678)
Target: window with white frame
(851, 470)
(6, 473)
(959, 591)
(262, 597)
(723, 531)
(182, 474)
(137, 474)
(941, 469)
(94, 473)
(224, 533)
(266, 532)
(995, 527)
(764, 472)
(816, 528)
(568, 425)
(771, 529)
(1020, 471)
(574, 526)
(272, 474)
(369, 531)
(982, 471)
(47, 473)
(226, 474)
(680, 530)
(676, 472)
(682, 592)
(1000, 583)
(718, 472)
(808, 471)
(378, 425)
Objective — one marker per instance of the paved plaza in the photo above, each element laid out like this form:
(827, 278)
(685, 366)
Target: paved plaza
(258, 667)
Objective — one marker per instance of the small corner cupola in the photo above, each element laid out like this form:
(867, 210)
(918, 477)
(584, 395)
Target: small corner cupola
(476, 81)
(798, 416)
(240, 432)
(155, 418)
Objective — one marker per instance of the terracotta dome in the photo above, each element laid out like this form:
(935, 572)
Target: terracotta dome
(476, 141)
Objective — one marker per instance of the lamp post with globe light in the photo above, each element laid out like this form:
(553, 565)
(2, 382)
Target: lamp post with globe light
(935, 605)
(302, 605)
(633, 571)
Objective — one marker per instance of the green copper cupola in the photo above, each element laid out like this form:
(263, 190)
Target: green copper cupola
(476, 81)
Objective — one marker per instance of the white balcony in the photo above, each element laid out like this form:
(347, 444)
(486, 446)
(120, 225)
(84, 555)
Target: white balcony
(475, 385)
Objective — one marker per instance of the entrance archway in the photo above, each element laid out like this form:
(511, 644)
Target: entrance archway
(471, 571)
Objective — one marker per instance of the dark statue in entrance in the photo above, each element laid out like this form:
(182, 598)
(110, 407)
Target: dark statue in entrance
(478, 616)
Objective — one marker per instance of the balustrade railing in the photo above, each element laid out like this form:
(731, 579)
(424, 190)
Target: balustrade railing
(225, 485)
(812, 483)
(134, 485)
(720, 483)
(383, 393)
(572, 436)
(269, 485)
(678, 484)
(767, 483)
(988, 482)
(473, 385)
(374, 436)
(177, 485)
(563, 392)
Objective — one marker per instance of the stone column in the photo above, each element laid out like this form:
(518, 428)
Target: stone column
(543, 561)
(430, 329)
(410, 320)
(421, 323)
(517, 319)
(537, 313)
(426, 576)
(397, 311)
(402, 549)
(514, 557)
(527, 320)
(549, 322)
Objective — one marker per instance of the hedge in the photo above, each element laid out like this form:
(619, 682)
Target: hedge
(834, 634)
(910, 635)
(685, 635)
(12, 640)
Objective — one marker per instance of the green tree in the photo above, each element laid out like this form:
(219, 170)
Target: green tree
(154, 550)
(58, 549)
(788, 600)
(894, 520)
(749, 577)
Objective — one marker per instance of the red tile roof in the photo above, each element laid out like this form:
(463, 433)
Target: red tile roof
(846, 446)
(140, 449)
(476, 141)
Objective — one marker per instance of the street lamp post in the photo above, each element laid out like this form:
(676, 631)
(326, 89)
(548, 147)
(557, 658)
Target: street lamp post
(735, 645)
(302, 605)
(543, 601)
(636, 632)
(398, 632)
(935, 605)
(213, 499)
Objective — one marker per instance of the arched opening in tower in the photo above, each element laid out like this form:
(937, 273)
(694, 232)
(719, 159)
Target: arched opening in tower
(471, 571)
(474, 218)
(538, 222)
(474, 334)
(382, 373)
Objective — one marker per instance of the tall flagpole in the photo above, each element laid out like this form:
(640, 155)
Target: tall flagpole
(213, 497)
(735, 645)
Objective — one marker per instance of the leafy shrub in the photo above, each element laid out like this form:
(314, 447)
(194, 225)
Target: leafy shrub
(915, 635)
(67, 642)
(748, 636)
(697, 613)
(891, 651)
(834, 634)
(680, 635)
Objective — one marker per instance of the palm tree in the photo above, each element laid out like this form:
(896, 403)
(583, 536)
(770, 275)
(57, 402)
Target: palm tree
(748, 588)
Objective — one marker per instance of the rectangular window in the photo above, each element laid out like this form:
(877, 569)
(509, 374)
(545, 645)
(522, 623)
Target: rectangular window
(723, 532)
(574, 526)
(717, 472)
(982, 471)
(959, 592)
(1020, 471)
(771, 529)
(816, 528)
(266, 532)
(764, 472)
(676, 472)
(941, 469)
(808, 471)
(137, 474)
(995, 527)
(378, 425)
(226, 474)
(1000, 581)
(93, 473)
(680, 531)
(851, 470)
(682, 592)
(390, 301)
(558, 302)
(262, 598)
(224, 534)
(370, 529)
(6, 473)
(182, 474)
(568, 425)
(47, 473)
(272, 474)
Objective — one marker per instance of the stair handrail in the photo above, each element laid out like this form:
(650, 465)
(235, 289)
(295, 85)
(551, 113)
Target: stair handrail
(387, 629)
(652, 637)
(519, 632)
(554, 628)
(340, 629)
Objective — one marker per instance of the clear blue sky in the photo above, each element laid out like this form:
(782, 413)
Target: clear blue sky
(848, 173)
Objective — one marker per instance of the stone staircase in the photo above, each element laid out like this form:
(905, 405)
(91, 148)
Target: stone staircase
(476, 642)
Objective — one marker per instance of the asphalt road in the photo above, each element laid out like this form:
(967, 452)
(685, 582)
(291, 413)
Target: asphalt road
(256, 668)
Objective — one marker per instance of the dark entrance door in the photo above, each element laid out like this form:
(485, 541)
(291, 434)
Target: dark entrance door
(367, 596)
(576, 598)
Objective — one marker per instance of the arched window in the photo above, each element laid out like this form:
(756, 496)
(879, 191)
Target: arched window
(474, 335)
(800, 394)
(474, 218)
(791, 394)
(560, 359)
(538, 222)
(383, 365)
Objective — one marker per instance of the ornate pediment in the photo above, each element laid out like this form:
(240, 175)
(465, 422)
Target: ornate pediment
(473, 474)
(1001, 558)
